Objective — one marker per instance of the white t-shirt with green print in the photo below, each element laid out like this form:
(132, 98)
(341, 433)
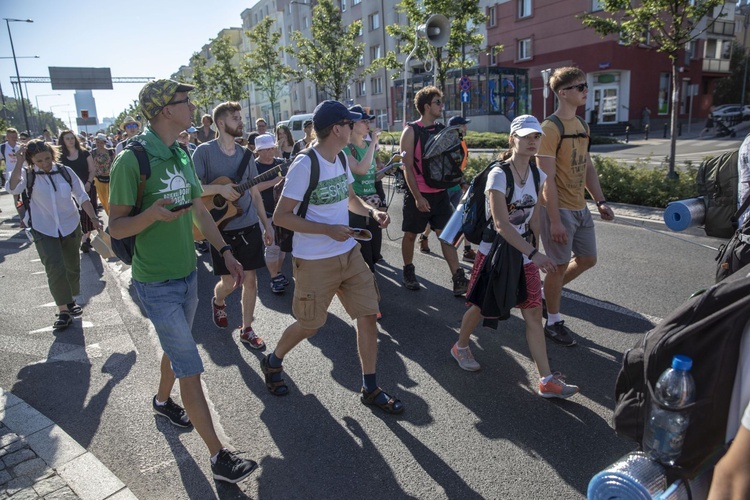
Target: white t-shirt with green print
(328, 204)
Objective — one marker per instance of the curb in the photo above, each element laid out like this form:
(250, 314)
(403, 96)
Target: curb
(39, 459)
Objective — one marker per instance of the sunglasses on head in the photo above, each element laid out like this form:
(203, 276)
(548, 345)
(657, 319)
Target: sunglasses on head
(578, 87)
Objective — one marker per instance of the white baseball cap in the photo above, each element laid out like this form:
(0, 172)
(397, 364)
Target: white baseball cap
(524, 125)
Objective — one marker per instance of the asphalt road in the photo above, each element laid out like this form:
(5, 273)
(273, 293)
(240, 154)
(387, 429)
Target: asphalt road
(463, 435)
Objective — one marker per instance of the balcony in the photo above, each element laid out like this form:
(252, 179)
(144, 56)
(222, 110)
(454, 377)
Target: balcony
(716, 65)
(723, 28)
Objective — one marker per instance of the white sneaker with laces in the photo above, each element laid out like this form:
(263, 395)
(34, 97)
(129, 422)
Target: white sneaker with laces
(465, 358)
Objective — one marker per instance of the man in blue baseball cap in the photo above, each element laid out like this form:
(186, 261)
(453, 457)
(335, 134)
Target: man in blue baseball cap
(327, 260)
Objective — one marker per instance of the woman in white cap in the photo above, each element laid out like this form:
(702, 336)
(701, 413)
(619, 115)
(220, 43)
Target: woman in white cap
(103, 157)
(515, 222)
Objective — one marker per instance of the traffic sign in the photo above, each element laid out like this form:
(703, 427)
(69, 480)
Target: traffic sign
(84, 113)
(464, 83)
(465, 96)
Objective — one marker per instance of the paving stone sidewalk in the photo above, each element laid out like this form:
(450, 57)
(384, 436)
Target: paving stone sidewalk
(39, 460)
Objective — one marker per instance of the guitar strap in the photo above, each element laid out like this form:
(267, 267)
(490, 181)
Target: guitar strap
(243, 165)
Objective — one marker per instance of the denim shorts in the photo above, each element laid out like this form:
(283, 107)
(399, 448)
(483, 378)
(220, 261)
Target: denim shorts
(171, 306)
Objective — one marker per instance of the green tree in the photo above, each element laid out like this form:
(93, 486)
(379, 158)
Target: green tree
(464, 43)
(12, 116)
(331, 57)
(729, 89)
(225, 76)
(201, 96)
(263, 65)
(666, 25)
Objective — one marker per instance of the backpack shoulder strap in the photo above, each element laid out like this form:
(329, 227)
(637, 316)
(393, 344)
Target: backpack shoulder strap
(559, 124)
(2, 150)
(65, 172)
(535, 174)
(314, 178)
(510, 186)
(144, 165)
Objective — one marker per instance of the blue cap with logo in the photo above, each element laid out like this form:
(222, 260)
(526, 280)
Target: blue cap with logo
(329, 113)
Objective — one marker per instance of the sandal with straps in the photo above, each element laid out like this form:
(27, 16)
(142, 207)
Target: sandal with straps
(64, 320)
(275, 387)
(74, 309)
(392, 406)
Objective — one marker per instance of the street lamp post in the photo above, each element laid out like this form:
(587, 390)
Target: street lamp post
(15, 63)
(39, 111)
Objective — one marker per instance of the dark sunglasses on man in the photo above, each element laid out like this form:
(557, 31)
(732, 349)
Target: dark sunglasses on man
(578, 87)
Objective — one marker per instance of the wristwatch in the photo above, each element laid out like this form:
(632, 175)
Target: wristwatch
(224, 249)
(600, 203)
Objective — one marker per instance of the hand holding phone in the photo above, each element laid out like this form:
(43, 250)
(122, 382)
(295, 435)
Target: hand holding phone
(180, 207)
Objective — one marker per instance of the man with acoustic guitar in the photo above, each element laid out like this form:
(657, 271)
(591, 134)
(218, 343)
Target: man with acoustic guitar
(222, 164)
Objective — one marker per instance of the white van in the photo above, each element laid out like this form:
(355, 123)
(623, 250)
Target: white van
(295, 125)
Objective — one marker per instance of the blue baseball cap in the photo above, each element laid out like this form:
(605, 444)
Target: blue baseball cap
(458, 120)
(359, 109)
(329, 113)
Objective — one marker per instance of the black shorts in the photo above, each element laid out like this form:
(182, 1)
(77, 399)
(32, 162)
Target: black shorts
(438, 216)
(247, 247)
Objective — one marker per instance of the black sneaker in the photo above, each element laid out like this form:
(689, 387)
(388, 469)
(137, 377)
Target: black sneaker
(460, 283)
(174, 412)
(410, 277)
(559, 333)
(231, 468)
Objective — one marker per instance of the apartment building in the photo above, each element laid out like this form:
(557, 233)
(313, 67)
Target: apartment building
(623, 79)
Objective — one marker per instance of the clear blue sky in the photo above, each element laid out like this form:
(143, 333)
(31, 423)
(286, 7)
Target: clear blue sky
(132, 37)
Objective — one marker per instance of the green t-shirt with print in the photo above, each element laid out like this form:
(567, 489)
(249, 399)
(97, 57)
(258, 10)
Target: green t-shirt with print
(164, 250)
(363, 184)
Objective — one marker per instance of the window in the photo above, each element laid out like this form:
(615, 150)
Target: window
(524, 8)
(305, 22)
(376, 85)
(596, 5)
(374, 21)
(361, 60)
(343, 5)
(361, 89)
(348, 92)
(374, 52)
(309, 91)
(356, 2)
(493, 56)
(491, 19)
(360, 28)
(524, 49)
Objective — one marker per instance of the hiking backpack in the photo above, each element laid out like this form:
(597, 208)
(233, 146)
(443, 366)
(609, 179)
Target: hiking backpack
(707, 328)
(442, 155)
(556, 120)
(735, 254)
(124, 248)
(31, 179)
(475, 226)
(717, 182)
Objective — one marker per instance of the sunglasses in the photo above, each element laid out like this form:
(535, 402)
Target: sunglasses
(186, 100)
(133, 125)
(436, 102)
(578, 87)
(351, 124)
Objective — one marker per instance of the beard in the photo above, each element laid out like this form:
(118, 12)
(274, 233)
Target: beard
(234, 132)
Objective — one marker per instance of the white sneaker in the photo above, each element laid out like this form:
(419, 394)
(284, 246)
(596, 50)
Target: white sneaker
(465, 358)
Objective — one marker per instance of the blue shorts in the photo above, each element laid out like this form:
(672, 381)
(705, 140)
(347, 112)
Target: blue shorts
(171, 306)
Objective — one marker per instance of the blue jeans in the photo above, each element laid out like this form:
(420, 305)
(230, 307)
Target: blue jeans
(171, 306)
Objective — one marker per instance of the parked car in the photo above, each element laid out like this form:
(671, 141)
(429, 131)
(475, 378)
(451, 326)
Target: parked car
(729, 112)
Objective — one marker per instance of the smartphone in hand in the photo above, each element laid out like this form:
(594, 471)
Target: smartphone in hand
(180, 207)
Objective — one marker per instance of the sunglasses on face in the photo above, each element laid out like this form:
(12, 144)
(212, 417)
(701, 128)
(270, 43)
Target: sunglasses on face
(578, 87)
(351, 124)
(181, 101)
(436, 102)
(133, 125)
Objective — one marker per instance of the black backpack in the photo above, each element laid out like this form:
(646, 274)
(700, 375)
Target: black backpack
(708, 328)
(124, 249)
(735, 254)
(717, 181)
(442, 155)
(475, 226)
(284, 236)
(31, 179)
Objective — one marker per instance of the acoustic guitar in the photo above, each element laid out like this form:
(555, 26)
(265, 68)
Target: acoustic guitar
(222, 210)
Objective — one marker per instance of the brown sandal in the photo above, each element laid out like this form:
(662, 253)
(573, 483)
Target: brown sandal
(275, 387)
(392, 406)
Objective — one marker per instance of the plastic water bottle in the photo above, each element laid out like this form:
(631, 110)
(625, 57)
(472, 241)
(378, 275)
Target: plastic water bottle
(668, 423)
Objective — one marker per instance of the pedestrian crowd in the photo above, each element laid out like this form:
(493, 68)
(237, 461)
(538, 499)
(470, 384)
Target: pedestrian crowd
(323, 194)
